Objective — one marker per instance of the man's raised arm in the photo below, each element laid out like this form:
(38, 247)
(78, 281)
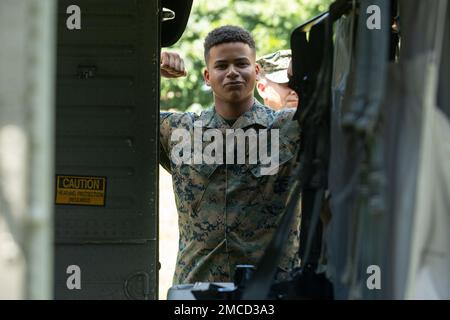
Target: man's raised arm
(172, 66)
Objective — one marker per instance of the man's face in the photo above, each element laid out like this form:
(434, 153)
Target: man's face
(231, 72)
(277, 95)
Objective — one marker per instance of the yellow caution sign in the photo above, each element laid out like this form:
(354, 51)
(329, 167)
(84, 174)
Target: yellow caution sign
(80, 190)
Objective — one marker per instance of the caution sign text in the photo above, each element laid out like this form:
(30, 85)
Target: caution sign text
(80, 190)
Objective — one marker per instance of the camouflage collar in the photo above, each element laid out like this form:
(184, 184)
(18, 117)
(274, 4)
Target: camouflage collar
(257, 114)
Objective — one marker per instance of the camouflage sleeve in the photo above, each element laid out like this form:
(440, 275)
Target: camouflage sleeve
(289, 128)
(168, 121)
(165, 130)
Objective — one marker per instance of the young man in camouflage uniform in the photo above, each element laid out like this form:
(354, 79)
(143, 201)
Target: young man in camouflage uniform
(272, 82)
(228, 212)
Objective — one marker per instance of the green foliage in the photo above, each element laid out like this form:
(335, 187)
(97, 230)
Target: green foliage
(269, 21)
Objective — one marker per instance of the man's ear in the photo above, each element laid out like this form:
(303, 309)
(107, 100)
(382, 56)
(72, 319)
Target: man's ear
(257, 70)
(206, 77)
(261, 87)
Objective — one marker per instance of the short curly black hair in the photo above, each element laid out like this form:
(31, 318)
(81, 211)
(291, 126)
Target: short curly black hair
(227, 34)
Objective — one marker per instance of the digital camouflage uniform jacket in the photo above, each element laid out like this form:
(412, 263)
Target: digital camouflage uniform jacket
(228, 213)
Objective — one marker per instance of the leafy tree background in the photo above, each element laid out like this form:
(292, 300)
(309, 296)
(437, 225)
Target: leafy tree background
(269, 21)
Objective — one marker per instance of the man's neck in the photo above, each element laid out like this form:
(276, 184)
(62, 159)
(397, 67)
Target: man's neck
(233, 111)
